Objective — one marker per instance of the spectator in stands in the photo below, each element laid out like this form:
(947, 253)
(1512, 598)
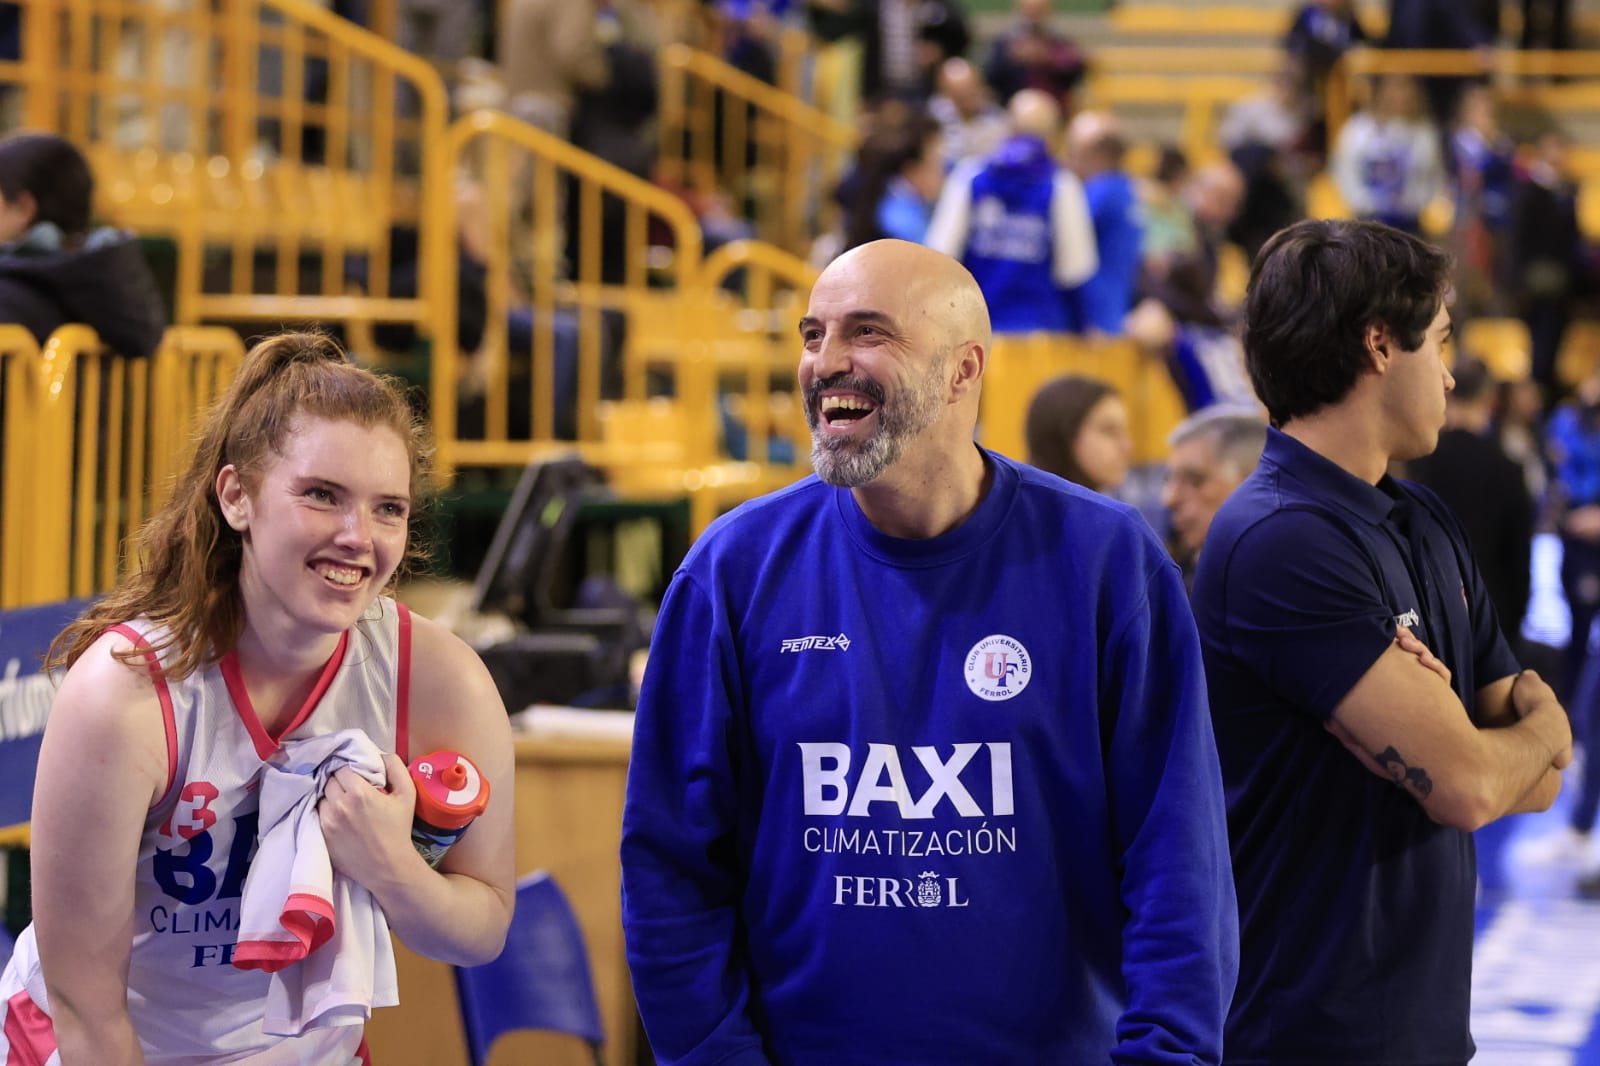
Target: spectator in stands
(1267, 137)
(1443, 25)
(1386, 162)
(902, 42)
(1185, 285)
(549, 50)
(1572, 443)
(1213, 451)
(901, 173)
(1546, 24)
(1077, 428)
(974, 125)
(1169, 230)
(1482, 157)
(1545, 256)
(1180, 316)
(1322, 31)
(1519, 427)
(55, 267)
(1032, 54)
(1019, 221)
(1484, 487)
(1095, 149)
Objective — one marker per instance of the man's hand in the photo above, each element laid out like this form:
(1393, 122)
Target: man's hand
(1411, 643)
(1531, 695)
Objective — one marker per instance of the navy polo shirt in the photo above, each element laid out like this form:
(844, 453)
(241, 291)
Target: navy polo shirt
(1355, 908)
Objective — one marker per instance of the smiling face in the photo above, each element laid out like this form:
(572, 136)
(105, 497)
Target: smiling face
(324, 525)
(873, 372)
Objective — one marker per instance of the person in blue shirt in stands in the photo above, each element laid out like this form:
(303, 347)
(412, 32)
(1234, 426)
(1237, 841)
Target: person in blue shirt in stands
(922, 770)
(1095, 148)
(1368, 711)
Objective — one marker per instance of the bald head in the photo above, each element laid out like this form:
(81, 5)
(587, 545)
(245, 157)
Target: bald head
(1094, 142)
(1035, 113)
(922, 285)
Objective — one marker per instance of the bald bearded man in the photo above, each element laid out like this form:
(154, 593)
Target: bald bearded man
(922, 770)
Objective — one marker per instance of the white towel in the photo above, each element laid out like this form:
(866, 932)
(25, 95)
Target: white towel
(320, 934)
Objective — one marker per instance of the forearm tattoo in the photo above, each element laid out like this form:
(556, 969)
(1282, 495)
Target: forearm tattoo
(1414, 778)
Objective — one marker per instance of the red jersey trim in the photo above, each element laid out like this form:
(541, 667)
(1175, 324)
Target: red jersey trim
(29, 1032)
(265, 742)
(164, 694)
(402, 695)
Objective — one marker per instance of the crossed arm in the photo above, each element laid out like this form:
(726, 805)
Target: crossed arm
(1405, 723)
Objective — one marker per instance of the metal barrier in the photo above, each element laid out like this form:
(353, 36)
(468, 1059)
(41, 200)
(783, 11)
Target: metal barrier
(274, 142)
(1519, 76)
(1020, 363)
(22, 403)
(582, 297)
(107, 436)
(724, 133)
(1202, 98)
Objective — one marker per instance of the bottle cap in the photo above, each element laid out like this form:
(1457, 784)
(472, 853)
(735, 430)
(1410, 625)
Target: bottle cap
(450, 790)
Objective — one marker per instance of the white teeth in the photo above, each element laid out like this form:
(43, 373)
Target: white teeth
(340, 575)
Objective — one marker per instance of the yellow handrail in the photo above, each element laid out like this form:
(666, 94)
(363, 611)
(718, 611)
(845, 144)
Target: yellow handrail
(104, 436)
(1505, 64)
(569, 189)
(197, 120)
(775, 154)
(21, 477)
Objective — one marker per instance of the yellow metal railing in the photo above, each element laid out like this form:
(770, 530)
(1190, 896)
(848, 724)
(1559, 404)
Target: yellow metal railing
(775, 157)
(270, 139)
(1202, 98)
(1020, 363)
(104, 435)
(596, 280)
(21, 400)
(1518, 76)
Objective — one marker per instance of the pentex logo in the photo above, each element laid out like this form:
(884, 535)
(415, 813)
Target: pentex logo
(998, 667)
(838, 643)
(1410, 619)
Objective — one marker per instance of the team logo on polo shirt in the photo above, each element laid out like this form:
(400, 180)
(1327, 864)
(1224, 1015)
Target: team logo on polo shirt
(998, 667)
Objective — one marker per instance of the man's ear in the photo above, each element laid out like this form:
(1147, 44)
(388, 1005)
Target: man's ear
(1378, 343)
(232, 498)
(970, 359)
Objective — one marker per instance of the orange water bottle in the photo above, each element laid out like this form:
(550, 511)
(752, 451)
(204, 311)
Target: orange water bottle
(450, 794)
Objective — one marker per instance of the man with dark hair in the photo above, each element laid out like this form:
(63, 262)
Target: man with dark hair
(1369, 713)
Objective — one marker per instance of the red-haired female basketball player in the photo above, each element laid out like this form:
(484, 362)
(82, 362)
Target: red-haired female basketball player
(257, 618)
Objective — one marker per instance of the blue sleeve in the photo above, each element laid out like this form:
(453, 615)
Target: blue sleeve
(680, 880)
(1298, 589)
(1180, 943)
(903, 218)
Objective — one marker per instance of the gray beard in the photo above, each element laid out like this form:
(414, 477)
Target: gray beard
(847, 465)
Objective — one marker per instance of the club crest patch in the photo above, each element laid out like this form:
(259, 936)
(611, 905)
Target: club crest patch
(998, 667)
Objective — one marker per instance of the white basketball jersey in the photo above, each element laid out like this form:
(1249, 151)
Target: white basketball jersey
(187, 1001)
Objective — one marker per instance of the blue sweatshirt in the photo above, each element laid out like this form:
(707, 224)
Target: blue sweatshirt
(932, 802)
(1106, 298)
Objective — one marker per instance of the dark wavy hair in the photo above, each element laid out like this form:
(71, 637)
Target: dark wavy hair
(1315, 288)
(52, 171)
